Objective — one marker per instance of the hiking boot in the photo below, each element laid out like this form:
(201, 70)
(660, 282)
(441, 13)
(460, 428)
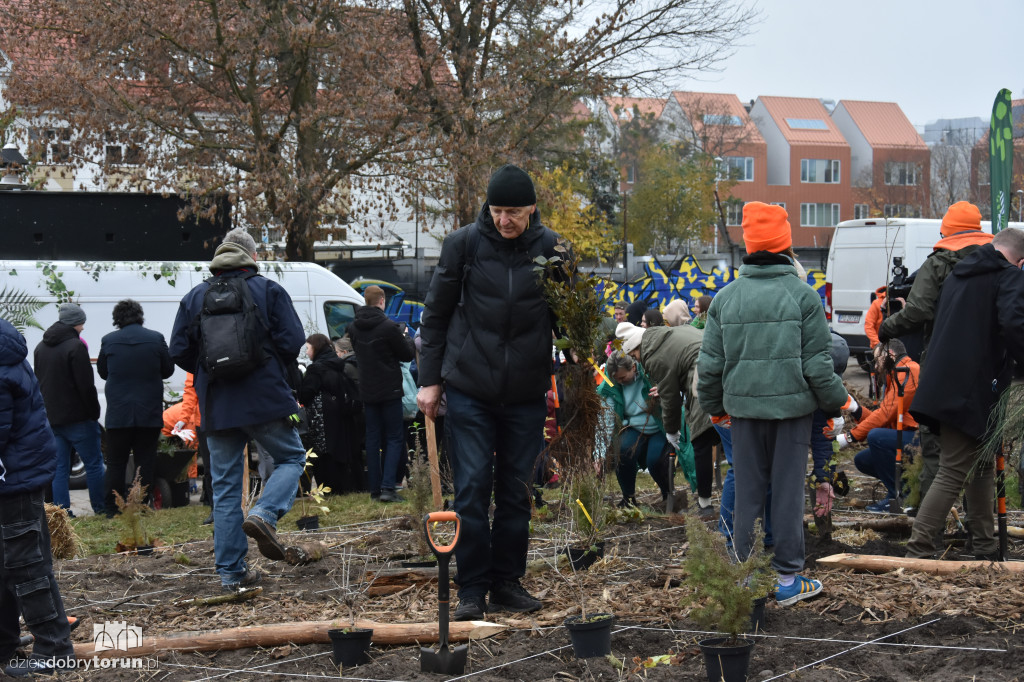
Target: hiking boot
(509, 595)
(801, 588)
(265, 536)
(209, 519)
(470, 608)
(248, 580)
(390, 496)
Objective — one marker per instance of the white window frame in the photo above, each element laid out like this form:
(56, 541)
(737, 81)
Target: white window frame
(901, 211)
(809, 215)
(734, 213)
(901, 173)
(631, 173)
(829, 168)
(861, 211)
(740, 168)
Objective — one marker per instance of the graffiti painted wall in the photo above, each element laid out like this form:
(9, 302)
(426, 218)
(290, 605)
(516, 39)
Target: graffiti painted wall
(685, 279)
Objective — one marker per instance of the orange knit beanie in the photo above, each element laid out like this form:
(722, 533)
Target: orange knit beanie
(766, 228)
(961, 216)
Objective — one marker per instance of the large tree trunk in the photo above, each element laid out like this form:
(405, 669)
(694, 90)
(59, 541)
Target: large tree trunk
(310, 632)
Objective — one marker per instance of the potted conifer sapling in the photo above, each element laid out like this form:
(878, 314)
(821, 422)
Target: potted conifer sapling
(723, 592)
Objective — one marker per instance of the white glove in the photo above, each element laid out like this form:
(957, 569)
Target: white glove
(844, 440)
(179, 426)
(834, 427)
(851, 404)
(673, 439)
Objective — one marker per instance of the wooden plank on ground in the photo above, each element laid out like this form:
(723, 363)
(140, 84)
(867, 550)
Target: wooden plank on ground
(883, 564)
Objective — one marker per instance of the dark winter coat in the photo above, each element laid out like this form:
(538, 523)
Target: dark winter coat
(486, 327)
(265, 394)
(978, 333)
(669, 356)
(381, 346)
(919, 311)
(28, 454)
(134, 361)
(323, 390)
(66, 379)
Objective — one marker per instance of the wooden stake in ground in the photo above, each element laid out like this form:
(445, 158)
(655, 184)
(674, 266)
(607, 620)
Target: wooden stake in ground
(245, 479)
(883, 564)
(435, 469)
(311, 632)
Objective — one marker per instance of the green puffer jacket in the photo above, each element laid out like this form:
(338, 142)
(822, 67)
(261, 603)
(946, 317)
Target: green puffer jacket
(766, 352)
(669, 355)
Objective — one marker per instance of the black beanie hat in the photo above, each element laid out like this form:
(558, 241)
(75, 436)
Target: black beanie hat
(511, 186)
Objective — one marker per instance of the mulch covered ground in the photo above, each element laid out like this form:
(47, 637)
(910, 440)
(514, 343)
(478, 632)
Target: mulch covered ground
(961, 627)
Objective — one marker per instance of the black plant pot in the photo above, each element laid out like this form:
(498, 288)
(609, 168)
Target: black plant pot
(144, 550)
(726, 663)
(351, 645)
(308, 523)
(591, 637)
(758, 617)
(582, 558)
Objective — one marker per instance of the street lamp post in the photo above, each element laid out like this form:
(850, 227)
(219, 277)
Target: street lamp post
(11, 161)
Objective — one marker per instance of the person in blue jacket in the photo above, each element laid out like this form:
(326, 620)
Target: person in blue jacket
(259, 405)
(28, 460)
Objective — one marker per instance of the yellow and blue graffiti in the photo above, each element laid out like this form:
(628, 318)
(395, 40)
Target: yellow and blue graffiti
(658, 286)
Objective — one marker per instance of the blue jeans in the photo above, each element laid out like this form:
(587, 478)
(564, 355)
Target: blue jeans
(493, 447)
(725, 509)
(385, 438)
(821, 447)
(280, 441)
(85, 438)
(879, 460)
(27, 585)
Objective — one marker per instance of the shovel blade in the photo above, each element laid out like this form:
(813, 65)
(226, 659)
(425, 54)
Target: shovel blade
(445, 661)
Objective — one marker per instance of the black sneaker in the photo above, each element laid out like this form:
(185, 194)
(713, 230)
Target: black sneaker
(470, 608)
(265, 536)
(209, 519)
(248, 580)
(390, 496)
(509, 595)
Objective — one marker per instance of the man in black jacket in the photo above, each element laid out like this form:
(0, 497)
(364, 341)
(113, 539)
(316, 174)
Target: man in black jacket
(381, 346)
(978, 335)
(61, 361)
(134, 362)
(486, 334)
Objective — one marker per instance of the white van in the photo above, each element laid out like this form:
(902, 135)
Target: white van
(324, 302)
(860, 260)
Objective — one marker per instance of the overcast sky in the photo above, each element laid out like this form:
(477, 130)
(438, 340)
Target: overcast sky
(935, 58)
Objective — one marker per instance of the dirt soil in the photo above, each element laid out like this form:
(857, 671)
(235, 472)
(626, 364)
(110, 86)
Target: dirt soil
(904, 626)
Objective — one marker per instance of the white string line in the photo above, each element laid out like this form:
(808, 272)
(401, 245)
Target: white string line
(519, 660)
(827, 658)
(265, 665)
(834, 641)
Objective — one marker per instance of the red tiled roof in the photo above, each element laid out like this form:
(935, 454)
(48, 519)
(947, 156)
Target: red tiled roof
(621, 108)
(696, 104)
(883, 124)
(782, 108)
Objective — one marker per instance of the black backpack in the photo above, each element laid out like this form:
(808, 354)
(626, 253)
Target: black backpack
(345, 393)
(231, 330)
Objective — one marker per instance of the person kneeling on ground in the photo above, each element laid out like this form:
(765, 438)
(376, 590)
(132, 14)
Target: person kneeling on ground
(878, 428)
(638, 427)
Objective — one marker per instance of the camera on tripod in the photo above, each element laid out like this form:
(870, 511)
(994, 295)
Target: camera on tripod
(899, 287)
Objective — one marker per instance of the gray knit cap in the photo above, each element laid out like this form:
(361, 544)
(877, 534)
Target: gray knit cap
(71, 314)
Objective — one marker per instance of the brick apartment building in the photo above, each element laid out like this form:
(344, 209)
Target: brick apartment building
(863, 159)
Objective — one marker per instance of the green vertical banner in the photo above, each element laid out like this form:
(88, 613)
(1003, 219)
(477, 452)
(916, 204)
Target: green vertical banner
(1000, 158)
